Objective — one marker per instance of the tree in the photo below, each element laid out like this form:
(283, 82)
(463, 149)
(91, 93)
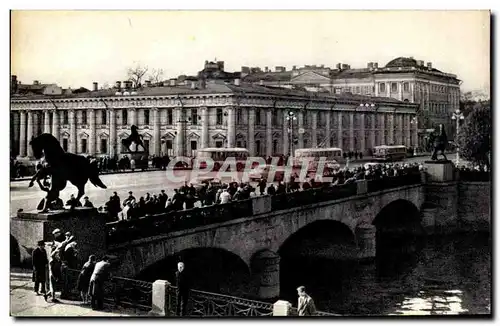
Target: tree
(156, 76)
(474, 137)
(136, 74)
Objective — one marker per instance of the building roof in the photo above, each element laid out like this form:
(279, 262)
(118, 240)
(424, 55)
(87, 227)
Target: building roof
(402, 62)
(351, 73)
(269, 76)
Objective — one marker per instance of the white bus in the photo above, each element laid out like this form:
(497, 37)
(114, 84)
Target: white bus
(219, 155)
(390, 153)
(333, 156)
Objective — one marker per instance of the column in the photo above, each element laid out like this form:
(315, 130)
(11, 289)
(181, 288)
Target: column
(286, 134)
(15, 132)
(29, 133)
(22, 134)
(301, 129)
(55, 124)
(388, 89)
(328, 129)
(383, 141)
(133, 116)
(376, 89)
(204, 128)
(92, 132)
(251, 132)
(400, 88)
(112, 132)
(372, 130)
(412, 92)
(314, 127)
(231, 127)
(72, 131)
(365, 236)
(390, 126)
(46, 121)
(269, 132)
(362, 132)
(407, 130)
(400, 129)
(266, 269)
(415, 133)
(340, 131)
(181, 130)
(351, 131)
(156, 132)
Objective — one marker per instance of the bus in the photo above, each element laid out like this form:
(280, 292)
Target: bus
(390, 153)
(333, 157)
(219, 155)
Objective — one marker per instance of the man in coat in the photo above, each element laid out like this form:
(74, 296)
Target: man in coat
(96, 288)
(183, 288)
(306, 305)
(40, 263)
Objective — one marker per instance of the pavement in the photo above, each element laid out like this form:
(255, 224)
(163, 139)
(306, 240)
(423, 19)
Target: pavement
(25, 303)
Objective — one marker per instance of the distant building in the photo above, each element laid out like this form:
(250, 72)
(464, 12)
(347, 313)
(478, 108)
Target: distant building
(37, 88)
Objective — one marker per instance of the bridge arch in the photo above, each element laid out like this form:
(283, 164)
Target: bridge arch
(401, 216)
(210, 269)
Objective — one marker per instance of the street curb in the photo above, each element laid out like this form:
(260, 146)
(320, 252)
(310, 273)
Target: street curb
(103, 173)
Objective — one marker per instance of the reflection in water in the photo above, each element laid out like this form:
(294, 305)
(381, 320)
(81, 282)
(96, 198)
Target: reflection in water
(432, 276)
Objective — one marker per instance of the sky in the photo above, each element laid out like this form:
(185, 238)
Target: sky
(76, 48)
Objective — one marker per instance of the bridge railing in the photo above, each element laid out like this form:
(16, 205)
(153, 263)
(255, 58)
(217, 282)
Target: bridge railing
(474, 176)
(118, 291)
(294, 312)
(393, 182)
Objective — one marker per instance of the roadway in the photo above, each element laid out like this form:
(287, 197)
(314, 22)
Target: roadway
(139, 182)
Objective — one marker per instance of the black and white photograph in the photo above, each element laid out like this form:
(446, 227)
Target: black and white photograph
(302, 164)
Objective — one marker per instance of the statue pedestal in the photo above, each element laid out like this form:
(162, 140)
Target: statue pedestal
(88, 227)
(440, 171)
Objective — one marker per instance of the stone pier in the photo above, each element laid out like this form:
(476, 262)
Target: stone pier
(266, 272)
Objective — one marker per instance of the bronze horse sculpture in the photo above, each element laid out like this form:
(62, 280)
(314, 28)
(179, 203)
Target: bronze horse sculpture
(440, 141)
(64, 167)
(134, 137)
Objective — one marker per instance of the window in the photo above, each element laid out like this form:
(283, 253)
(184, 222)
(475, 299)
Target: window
(304, 120)
(170, 117)
(84, 118)
(238, 116)
(257, 116)
(238, 144)
(124, 117)
(65, 144)
(358, 90)
(169, 144)
(218, 144)
(194, 145)
(257, 146)
(394, 87)
(406, 87)
(104, 146)
(275, 146)
(219, 117)
(274, 121)
(194, 117)
(146, 144)
(382, 87)
(104, 118)
(65, 118)
(146, 117)
(84, 145)
(337, 90)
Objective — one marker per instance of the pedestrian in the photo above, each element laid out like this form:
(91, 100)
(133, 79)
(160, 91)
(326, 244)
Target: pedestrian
(306, 304)
(87, 202)
(40, 263)
(225, 197)
(82, 284)
(96, 288)
(183, 288)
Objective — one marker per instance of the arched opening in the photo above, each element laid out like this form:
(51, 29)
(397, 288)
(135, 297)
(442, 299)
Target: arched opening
(321, 257)
(209, 269)
(399, 238)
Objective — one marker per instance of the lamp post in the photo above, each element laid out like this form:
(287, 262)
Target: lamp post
(290, 118)
(457, 116)
(414, 121)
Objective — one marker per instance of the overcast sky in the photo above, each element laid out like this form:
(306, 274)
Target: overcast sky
(75, 48)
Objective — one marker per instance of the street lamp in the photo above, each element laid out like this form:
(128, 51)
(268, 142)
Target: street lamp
(457, 116)
(290, 118)
(414, 121)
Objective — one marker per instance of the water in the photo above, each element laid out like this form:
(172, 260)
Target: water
(432, 276)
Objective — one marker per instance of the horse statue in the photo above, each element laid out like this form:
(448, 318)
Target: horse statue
(134, 137)
(64, 167)
(439, 141)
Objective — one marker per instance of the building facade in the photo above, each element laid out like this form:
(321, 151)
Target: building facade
(177, 120)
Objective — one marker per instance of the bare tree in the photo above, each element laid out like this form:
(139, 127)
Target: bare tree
(136, 74)
(105, 86)
(156, 76)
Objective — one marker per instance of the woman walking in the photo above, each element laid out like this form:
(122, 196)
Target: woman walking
(84, 278)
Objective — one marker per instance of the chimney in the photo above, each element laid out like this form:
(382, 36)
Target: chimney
(375, 65)
(294, 68)
(339, 66)
(172, 81)
(36, 82)
(117, 84)
(147, 83)
(237, 82)
(429, 65)
(95, 86)
(193, 85)
(261, 82)
(266, 69)
(322, 66)
(125, 84)
(345, 66)
(420, 62)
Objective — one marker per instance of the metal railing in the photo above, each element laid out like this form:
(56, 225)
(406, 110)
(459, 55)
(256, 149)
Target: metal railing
(118, 291)
(393, 182)
(294, 312)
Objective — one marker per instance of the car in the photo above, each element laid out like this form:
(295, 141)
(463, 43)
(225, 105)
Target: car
(262, 171)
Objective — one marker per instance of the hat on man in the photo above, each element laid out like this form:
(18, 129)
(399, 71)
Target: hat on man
(56, 231)
(86, 197)
(41, 243)
(130, 192)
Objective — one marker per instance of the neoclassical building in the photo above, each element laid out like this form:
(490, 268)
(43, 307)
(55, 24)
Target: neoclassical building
(177, 120)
